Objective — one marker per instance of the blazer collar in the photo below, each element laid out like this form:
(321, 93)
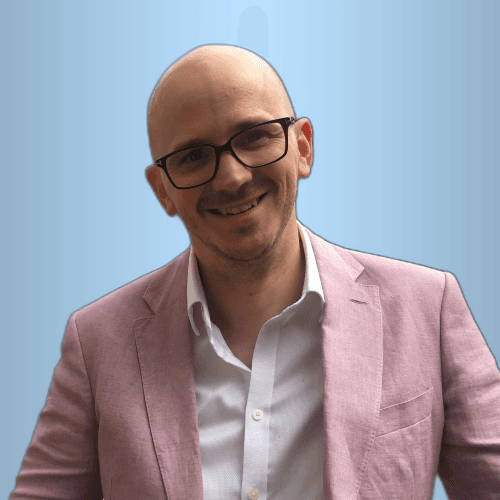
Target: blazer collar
(351, 338)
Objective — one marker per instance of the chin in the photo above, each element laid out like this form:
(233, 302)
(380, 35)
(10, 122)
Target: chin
(242, 249)
(247, 255)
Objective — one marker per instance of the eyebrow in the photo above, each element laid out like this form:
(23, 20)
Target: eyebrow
(237, 128)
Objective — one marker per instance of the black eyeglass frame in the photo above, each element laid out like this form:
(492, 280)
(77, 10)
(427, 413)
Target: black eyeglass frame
(284, 122)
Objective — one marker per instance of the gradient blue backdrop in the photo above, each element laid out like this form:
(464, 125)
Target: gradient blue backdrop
(403, 98)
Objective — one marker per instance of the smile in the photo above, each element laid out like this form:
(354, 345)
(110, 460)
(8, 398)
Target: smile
(231, 212)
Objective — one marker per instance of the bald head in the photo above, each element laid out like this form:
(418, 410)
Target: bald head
(210, 70)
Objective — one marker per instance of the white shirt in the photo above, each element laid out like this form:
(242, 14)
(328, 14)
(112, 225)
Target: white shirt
(261, 430)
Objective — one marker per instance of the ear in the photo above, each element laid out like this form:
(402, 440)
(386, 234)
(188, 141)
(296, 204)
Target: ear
(304, 141)
(154, 176)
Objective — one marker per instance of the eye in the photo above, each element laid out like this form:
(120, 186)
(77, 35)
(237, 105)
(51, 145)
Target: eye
(193, 155)
(251, 139)
(255, 135)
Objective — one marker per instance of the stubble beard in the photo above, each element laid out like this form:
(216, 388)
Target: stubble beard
(260, 260)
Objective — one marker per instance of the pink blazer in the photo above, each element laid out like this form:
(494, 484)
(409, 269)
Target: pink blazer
(411, 390)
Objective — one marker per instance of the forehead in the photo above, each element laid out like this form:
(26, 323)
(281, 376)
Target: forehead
(208, 102)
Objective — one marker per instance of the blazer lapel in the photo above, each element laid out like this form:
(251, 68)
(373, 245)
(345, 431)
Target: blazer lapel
(352, 368)
(166, 357)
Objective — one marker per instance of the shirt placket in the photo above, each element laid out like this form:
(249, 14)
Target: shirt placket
(258, 413)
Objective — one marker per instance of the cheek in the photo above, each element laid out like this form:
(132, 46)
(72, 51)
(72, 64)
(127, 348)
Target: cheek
(186, 204)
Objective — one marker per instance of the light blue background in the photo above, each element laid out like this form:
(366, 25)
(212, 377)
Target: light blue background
(403, 98)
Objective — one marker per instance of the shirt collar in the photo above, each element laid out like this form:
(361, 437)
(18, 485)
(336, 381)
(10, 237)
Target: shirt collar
(196, 294)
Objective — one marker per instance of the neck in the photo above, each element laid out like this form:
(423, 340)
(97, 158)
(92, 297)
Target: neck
(243, 296)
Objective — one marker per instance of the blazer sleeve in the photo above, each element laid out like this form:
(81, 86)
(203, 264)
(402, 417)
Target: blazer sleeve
(469, 462)
(61, 461)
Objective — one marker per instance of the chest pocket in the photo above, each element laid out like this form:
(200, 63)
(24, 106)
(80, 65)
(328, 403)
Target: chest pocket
(395, 417)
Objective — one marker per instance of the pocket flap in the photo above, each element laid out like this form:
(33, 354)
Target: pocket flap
(401, 415)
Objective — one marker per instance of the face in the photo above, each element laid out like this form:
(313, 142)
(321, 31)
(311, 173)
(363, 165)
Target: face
(208, 105)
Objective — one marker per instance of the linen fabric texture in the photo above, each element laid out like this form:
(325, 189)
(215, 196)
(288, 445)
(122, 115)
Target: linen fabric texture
(410, 390)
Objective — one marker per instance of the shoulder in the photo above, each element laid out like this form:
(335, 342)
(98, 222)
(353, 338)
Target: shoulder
(400, 281)
(388, 269)
(139, 298)
(389, 274)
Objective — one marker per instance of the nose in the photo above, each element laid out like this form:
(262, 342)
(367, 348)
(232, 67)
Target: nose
(231, 174)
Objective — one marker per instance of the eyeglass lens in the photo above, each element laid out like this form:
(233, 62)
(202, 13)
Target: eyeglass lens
(254, 147)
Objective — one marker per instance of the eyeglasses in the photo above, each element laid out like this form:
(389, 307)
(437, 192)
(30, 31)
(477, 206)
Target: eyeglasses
(257, 146)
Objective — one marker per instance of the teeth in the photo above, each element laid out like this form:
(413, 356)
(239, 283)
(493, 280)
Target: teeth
(237, 210)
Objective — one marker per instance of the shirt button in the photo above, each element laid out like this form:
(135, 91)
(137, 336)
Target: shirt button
(253, 494)
(257, 415)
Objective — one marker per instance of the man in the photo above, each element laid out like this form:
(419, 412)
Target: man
(263, 362)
